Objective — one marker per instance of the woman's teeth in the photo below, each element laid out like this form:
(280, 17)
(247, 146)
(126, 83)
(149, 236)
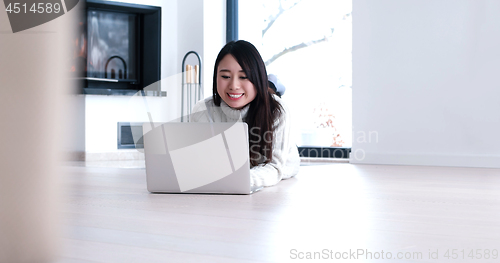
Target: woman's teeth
(235, 96)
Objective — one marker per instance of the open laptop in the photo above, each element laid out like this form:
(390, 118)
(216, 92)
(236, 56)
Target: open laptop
(207, 158)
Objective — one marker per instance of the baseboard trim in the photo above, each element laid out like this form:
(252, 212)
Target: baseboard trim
(476, 161)
(305, 160)
(120, 155)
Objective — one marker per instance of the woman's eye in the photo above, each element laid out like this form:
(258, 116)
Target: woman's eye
(225, 77)
(244, 77)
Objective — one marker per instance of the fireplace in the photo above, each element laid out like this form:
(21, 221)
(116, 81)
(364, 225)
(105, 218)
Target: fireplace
(118, 48)
(112, 40)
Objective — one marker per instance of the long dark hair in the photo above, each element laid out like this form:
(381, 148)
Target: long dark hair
(264, 109)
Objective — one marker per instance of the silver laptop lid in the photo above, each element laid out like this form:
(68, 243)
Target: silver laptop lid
(197, 157)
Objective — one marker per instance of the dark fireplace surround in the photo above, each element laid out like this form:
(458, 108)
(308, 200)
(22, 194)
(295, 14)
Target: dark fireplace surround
(118, 50)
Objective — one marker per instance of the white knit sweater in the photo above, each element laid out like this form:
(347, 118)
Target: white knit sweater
(285, 162)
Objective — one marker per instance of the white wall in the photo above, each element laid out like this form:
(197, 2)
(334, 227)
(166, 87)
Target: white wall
(214, 38)
(75, 125)
(425, 80)
(186, 26)
(104, 112)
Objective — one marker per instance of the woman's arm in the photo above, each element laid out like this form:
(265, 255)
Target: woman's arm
(199, 112)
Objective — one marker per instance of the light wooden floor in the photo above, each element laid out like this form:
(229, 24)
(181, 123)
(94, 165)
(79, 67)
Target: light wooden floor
(110, 217)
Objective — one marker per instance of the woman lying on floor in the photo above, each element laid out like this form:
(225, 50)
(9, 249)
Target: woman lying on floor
(241, 93)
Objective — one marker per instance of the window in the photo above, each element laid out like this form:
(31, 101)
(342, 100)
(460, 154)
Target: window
(308, 45)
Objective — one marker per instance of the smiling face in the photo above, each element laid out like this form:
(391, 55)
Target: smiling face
(233, 86)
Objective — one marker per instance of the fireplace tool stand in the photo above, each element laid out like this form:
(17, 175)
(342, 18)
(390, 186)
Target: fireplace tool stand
(191, 85)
